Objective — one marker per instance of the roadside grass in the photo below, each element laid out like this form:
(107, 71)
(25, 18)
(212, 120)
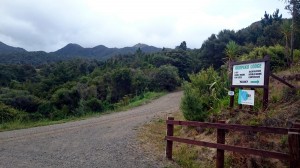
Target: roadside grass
(140, 100)
(284, 105)
(151, 137)
(134, 102)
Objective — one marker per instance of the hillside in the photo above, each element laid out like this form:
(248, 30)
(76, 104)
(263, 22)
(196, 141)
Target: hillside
(283, 110)
(13, 55)
(6, 49)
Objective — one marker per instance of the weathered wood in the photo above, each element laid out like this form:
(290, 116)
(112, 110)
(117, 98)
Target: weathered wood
(235, 127)
(296, 125)
(170, 132)
(263, 153)
(294, 149)
(231, 98)
(266, 83)
(220, 152)
(250, 61)
(240, 105)
(282, 81)
(251, 107)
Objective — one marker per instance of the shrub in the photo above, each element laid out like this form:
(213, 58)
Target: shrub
(203, 94)
(166, 78)
(7, 113)
(46, 109)
(66, 100)
(94, 105)
(27, 103)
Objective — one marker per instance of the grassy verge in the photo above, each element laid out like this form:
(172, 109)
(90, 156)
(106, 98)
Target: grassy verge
(140, 100)
(134, 102)
(151, 137)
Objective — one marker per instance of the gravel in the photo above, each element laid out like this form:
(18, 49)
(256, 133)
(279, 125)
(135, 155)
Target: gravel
(106, 141)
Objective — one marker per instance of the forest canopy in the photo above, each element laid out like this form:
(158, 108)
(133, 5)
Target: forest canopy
(46, 87)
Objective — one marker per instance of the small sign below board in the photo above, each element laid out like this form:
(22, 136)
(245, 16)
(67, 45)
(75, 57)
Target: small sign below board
(231, 93)
(246, 97)
(248, 74)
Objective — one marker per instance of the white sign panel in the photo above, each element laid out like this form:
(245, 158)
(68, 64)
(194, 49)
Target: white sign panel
(246, 97)
(231, 93)
(248, 74)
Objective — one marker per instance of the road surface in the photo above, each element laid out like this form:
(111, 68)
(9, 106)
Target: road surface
(106, 141)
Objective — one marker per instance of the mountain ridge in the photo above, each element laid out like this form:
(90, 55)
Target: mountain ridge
(4, 48)
(16, 55)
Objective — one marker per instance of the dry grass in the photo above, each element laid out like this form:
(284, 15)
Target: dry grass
(152, 135)
(284, 108)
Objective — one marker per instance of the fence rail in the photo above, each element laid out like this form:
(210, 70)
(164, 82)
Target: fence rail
(293, 139)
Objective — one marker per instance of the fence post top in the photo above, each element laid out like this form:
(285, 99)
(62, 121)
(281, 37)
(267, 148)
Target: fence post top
(170, 118)
(221, 121)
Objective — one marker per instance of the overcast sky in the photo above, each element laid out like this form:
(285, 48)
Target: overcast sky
(51, 24)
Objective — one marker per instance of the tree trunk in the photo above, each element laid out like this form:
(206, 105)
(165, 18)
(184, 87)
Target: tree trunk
(293, 32)
(287, 51)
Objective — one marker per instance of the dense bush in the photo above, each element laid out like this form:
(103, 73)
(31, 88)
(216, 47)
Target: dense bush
(7, 113)
(276, 53)
(66, 100)
(203, 94)
(166, 78)
(94, 105)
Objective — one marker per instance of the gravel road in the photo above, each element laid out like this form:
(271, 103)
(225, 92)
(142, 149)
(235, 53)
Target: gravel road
(106, 141)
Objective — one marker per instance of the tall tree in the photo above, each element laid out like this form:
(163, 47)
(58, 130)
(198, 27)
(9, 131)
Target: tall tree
(286, 30)
(294, 7)
(182, 46)
(231, 52)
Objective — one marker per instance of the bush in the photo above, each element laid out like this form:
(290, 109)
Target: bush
(166, 78)
(7, 113)
(94, 105)
(276, 53)
(46, 109)
(66, 100)
(203, 94)
(27, 103)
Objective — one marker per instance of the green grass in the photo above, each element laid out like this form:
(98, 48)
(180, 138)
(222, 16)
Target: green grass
(134, 102)
(141, 100)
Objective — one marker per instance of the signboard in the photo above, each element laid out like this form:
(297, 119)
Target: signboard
(252, 74)
(246, 97)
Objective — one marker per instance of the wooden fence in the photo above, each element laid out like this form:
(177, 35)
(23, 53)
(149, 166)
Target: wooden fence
(293, 140)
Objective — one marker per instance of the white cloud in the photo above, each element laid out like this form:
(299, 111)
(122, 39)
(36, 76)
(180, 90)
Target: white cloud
(50, 24)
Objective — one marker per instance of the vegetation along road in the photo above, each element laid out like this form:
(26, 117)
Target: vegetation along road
(106, 141)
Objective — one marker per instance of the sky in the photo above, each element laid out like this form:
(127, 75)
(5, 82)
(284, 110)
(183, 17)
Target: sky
(49, 25)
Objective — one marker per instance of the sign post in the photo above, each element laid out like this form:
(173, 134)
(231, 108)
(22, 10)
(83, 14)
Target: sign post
(251, 74)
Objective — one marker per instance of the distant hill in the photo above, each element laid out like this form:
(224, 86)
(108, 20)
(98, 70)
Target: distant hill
(13, 55)
(100, 51)
(6, 49)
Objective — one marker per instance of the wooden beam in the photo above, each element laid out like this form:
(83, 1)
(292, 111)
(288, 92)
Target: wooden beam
(235, 127)
(263, 153)
(282, 81)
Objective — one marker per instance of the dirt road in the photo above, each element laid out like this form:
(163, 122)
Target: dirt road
(106, 141)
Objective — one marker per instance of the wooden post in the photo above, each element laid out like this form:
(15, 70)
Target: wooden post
(294, 149)
(266, 83)
(221, 140)
(169, 146)
(251, 107)
(240, 105)
(231, 88)
(231, 99)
